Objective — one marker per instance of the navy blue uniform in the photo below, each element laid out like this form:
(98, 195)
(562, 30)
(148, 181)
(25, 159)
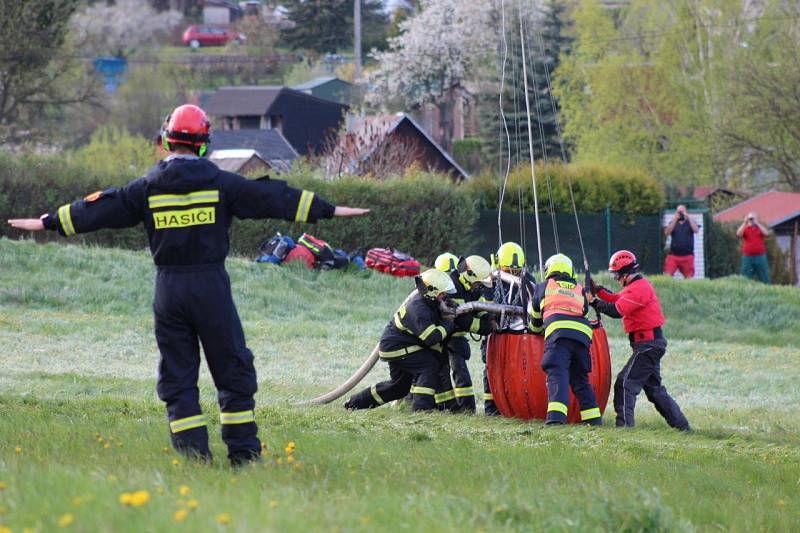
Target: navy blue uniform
(461, 392)
(186, 205)
(558, 311)
(412, 345)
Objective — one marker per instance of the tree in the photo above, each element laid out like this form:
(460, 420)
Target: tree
(649, 91)
(545, 42)
(761, 129)
(39, 72)
(327, 26)
(440, 49)
(120, 28)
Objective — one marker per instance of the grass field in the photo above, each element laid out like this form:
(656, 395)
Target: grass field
(80, 424)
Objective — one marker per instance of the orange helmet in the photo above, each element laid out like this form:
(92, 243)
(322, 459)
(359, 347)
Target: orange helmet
(187, 124)
(622, 262)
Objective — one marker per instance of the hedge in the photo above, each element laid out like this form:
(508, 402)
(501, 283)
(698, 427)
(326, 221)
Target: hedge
(421, 214)
(594, 187)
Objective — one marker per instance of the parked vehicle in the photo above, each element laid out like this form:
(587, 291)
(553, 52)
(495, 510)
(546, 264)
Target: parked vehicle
(196, 36)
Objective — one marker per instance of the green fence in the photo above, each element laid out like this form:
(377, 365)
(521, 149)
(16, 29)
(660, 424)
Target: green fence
(603, 233)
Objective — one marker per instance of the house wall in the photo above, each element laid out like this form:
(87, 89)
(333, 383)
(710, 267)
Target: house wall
(218, 16)
(783, 236)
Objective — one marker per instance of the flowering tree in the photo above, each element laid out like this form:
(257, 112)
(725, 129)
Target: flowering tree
(439, 49)
(120, 28)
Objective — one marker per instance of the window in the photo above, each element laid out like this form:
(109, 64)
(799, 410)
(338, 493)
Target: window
(252, 122)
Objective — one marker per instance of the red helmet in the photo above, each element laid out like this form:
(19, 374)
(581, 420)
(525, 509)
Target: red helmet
(622, 262)
(188, 124)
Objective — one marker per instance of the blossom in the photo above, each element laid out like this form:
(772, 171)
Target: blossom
(192, 504)
(183, 490)
(290, 459)
(175, 462)
(4, 529)
(224, 518)
(180, 515)
(18, 449)
(273, 503)
(125, 498)
(3, 485)
(66, 519)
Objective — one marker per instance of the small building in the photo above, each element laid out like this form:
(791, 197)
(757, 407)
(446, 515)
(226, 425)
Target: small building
(269, 145)
(306, 121)
(220, 12)
(240, 161)
(328, 88)
(388, 144)
(780, 212)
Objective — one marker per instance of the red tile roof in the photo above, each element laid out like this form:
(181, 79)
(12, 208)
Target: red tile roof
(773, 208)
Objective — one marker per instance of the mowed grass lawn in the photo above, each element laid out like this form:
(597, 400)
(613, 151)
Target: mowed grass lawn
(80, 424)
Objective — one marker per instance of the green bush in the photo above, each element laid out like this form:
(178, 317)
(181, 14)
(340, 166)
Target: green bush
(467, 152)
(724, 254)
(594, 187)
(421, 214)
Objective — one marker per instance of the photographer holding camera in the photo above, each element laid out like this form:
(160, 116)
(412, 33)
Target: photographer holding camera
(754, 250)
(681, 231)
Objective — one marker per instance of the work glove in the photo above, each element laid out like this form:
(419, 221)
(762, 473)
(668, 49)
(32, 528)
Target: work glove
(447, 308)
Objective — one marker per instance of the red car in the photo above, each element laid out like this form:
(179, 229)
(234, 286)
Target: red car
(197, 36)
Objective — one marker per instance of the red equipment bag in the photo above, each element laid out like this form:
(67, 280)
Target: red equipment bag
(518, 383)
(301, 253)
(392, 262)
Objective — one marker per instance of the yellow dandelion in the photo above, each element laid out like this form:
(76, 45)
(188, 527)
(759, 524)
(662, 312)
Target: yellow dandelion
(279, 460)
(273, 503)
(290, 459)
(165, 449)
(781, 503)
(18, 449)
(125, 498)
(290, 444)
(77, 501)
(106, 446)
(180, 515)
(183, 490)
(139, 498)
(66, 519)
(224, 518)
(4, 529)
(3, 485)
(175, 462)
(28, 530)
(192, 504)
(100, 440)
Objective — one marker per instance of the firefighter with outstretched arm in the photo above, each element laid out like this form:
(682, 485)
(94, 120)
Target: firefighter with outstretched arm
(186, 204)
(638, 306)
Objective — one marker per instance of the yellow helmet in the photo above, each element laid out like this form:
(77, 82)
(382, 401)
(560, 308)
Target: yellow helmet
(558, 263)
(475, 269)
(432, 283)
(446, 262)
(510, 255)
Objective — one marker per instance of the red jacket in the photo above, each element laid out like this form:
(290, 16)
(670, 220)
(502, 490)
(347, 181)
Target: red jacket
(638, 304)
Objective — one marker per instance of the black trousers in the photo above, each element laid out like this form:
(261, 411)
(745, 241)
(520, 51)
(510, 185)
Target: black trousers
(568, 363)
(417, 373)
(643, 371)
(489, 407)
(458, 353)
(194, 306)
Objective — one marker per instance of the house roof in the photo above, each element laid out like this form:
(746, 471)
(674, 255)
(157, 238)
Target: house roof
(234, 160)
(269, 144)
(384, 125)
(243, 100)
(316, 83)
(773, 208)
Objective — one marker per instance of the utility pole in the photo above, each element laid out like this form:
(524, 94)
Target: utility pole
(357, 39)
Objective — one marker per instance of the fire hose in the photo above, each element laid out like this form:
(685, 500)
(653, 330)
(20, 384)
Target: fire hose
(369, 362)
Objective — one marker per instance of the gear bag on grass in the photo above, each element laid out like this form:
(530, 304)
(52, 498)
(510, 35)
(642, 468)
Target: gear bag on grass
(392, 262)
(323, 253)
(275, 249)
(301, 253)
